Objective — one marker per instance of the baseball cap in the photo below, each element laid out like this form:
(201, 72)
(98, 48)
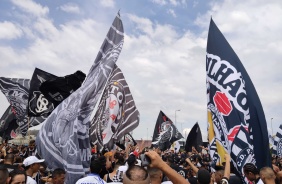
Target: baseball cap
(203, 176)
(31, 160)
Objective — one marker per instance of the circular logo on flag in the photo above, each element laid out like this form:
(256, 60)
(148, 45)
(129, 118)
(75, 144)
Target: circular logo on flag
(222, 103)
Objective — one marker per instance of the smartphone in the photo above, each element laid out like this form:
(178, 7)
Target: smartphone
(145, 160)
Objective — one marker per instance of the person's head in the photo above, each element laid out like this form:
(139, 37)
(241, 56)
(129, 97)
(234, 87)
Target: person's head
(9, 158)
(203, 176)
(156, 175)
(218, 175)
(131, 160)
(267, 174)
(58, 176)
(17, 177)
(97, 165)
(32, 163)
(250, 171)
(137, 175)
(4, 175)
(31, 144)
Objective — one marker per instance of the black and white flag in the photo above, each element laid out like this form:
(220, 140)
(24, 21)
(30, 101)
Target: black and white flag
(126, 140)
(117, 114)
(277, 145)
(17, 92)
(236, 121)
(165, 133)
(38, 105)
(64, 137)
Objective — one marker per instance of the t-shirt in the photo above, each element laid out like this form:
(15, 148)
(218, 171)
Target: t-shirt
(29, 180)
(91, 179)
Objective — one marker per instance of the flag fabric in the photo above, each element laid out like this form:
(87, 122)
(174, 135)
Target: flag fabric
(38, 105)
(116, 115)
(236, 121)
(17, 92)
(12, 131)
(194, 139)
(165, 133)
(59, 88)
(63, 139)
(7, 118)
(277, 144)
(126, 140)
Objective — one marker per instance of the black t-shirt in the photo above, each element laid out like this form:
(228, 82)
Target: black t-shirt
(233, 179)
(9, 167)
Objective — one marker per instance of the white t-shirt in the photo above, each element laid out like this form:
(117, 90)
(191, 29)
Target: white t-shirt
(29, 180)
(91, 179)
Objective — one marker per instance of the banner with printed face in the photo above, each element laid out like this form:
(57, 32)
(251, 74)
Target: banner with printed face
(236, 121)
(116, 115)
(165, 133)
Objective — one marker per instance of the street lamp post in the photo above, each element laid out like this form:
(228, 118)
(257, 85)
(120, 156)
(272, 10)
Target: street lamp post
(175, 117)
(271, 127)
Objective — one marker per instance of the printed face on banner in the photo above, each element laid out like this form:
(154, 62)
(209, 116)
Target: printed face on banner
(113, 111)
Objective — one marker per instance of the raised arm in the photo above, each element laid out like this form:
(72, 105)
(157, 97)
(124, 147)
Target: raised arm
(195, 169)
(157, 162)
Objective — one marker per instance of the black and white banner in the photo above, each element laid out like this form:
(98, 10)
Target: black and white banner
(236, 119)
(117, 114)
(38, 105)
(277, 145)
(64, 137)
(16, 92)
(165, 133)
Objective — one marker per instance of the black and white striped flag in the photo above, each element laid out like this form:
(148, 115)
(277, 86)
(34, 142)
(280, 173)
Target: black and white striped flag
(63, 140)
(117, 114)
(277, 146)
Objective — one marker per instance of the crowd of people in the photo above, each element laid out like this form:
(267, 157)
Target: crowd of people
(19, 164)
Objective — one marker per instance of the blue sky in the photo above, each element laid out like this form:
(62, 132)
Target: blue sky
(163, 57)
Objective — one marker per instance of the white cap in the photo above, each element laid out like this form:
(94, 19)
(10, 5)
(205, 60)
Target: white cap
(31, 160)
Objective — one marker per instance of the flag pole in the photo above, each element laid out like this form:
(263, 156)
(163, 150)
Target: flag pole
(28, 129)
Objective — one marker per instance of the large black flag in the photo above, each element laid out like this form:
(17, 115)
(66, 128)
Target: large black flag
(194, 139)
(236, 119)
(165, 133)
(64, 137)
(117, 114)
(6, 120)
(38, 105)
(59, 88)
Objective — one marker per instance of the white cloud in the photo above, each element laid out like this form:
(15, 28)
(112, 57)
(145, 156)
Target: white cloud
(174, 2)
(31, 7)
(171, 12)
(107, 3)
(164, 68)
(159, 2)
(9, 31)
(70, 8)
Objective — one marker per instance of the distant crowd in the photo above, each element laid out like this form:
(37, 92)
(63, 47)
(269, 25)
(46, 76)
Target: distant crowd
(20, 164)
